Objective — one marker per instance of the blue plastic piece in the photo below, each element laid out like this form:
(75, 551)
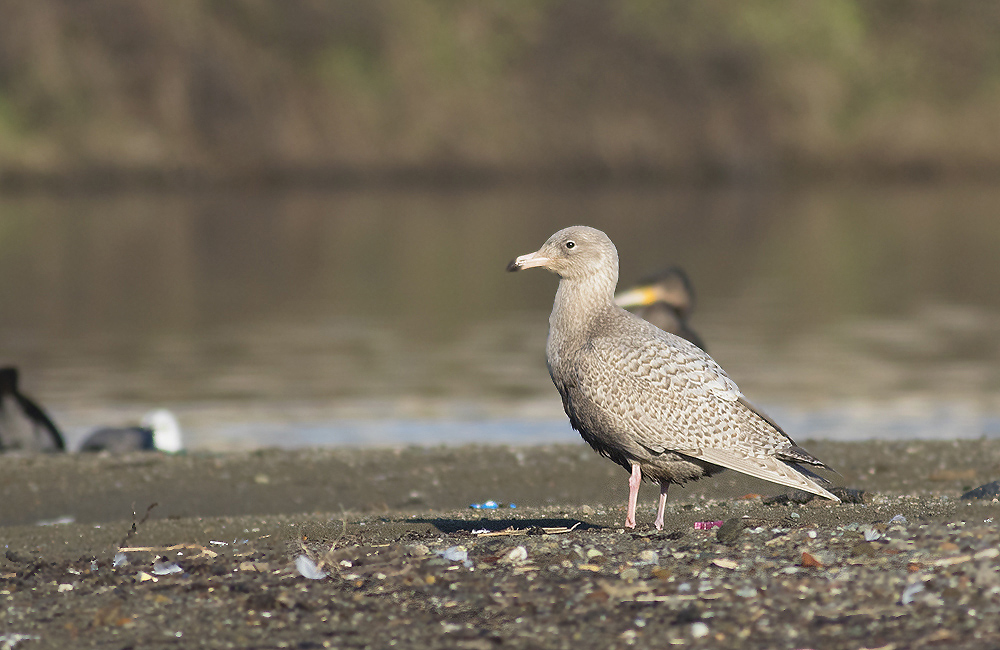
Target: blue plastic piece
(486, 505)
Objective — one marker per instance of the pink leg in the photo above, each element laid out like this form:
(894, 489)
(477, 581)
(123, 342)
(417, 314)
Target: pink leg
(659, 509)
(633, 494)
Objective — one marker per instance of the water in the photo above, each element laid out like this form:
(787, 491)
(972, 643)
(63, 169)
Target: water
(365, 318)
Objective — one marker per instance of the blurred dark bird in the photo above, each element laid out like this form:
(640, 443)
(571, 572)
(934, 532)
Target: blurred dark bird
(24, 426)
(652, 402)
(666, 300)
(158, 431)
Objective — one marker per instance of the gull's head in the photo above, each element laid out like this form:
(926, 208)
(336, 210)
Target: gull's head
(574, 253)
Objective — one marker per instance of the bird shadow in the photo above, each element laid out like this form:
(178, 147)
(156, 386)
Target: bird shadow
(532, 526)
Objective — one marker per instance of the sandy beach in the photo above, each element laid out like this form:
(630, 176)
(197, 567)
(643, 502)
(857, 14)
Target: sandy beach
(398, 558)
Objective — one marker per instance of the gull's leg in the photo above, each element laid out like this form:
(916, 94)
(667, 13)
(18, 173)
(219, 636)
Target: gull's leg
(659, 509)
(633, 494)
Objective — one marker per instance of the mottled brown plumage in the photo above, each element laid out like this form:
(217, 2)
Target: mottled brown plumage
(652, 402)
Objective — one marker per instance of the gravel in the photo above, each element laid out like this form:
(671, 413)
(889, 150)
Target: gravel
(898, 568)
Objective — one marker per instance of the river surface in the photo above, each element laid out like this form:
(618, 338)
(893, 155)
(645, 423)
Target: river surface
(385, 318)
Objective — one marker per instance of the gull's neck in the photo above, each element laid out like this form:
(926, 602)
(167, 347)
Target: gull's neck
(577, 304)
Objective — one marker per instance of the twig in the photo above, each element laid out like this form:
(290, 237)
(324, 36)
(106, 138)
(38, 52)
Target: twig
(554, 530)
(135, 527)
(328, 558)
(164, 549)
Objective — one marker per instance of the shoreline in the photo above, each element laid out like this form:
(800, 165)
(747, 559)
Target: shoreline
(912, 564)
(95, 488)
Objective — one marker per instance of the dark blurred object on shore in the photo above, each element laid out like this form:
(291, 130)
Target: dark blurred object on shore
(24, 426)
(158, 431)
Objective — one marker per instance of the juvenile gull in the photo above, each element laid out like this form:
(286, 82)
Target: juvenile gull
(24, 426)
(652, 402)
(664, 299)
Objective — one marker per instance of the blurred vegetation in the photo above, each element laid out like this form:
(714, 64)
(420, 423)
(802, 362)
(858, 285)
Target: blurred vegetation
(251, 90)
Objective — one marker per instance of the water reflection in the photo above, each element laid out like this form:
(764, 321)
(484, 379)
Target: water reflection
(349, 317)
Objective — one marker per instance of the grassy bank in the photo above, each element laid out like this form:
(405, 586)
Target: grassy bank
(202, 91)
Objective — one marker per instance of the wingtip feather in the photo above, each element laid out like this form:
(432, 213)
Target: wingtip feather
(766, 468)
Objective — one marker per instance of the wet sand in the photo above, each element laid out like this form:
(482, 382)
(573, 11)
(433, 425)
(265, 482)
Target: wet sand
(910, 564)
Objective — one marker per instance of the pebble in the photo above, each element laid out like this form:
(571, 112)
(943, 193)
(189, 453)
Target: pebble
(516, 555)
(810, 560)
(649, 557)
(730, 531)
(455, 554)
(699, 630)
(629, 574)
(418, 550)
(864, 549)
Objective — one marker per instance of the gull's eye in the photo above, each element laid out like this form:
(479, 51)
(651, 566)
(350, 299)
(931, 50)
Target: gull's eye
(571, 244)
